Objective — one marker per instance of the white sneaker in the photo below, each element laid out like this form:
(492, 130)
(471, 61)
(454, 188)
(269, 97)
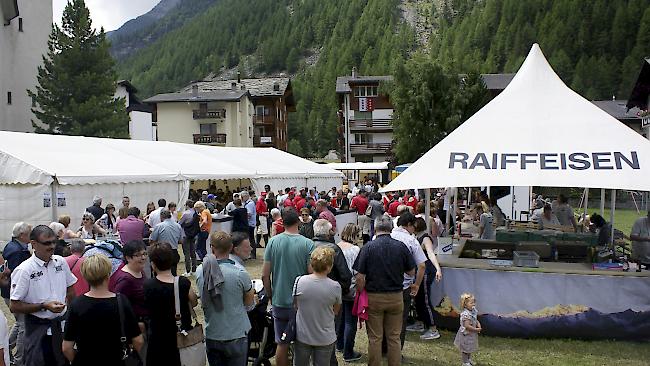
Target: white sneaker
(430, 334)
(415, 327)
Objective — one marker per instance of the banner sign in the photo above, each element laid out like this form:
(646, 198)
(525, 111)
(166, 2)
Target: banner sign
(366, 104)
(545, 161)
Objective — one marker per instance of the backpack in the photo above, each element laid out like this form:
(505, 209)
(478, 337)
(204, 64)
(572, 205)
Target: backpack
(192, 227)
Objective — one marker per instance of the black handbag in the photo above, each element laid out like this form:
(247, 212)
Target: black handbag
(129, 355)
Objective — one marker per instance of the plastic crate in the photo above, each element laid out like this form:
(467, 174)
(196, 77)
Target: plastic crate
(525, 259)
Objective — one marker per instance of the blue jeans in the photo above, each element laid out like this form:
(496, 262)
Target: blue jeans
(201, 250)
(227, 353)
(347, 330)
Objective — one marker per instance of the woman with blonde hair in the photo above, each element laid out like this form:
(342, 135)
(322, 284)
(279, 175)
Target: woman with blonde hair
(67, 233)
(318, 300)
(99, 309)
(347, 327)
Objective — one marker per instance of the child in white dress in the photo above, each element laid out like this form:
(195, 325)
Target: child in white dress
(467, 337)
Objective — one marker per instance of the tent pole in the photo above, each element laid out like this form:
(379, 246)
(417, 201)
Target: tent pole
(455, 204)
(586, 206)
(427, 208)
(602, 202)
(448, 214)
(611, 218)
(54, 202)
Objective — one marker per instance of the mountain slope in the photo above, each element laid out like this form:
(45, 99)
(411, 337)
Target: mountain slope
(596, 46)
(273, 36)
(166, 16)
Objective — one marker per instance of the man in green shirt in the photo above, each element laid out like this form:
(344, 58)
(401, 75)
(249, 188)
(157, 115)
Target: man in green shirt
(226, 329)
(286, 257)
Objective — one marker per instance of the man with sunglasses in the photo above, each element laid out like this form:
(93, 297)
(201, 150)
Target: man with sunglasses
(40, 288)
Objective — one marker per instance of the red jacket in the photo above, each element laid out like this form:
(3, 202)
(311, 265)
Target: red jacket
(299, 203)
(392, 208)
(261, 207)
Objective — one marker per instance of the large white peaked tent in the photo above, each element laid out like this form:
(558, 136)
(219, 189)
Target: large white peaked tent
(537, 132)
(36, 168)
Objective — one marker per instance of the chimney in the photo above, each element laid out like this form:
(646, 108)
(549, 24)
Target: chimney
(195, 91)
(238, 77)
(354, 72)
(233, 86)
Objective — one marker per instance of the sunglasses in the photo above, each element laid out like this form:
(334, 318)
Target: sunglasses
(87, 219)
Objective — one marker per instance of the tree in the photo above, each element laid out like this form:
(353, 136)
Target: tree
(429, 103)
(76, 84)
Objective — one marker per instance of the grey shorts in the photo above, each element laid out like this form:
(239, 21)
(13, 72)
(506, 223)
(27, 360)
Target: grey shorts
(281, 317)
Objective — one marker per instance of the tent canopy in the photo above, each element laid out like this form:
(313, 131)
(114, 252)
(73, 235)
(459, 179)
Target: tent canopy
(537, 132)
(37, 159)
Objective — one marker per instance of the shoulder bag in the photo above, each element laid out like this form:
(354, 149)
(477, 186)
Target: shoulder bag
(129, 356)
(191, 344)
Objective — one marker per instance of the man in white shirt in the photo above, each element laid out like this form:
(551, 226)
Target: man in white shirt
(40, 288)
(154, 216)
(404, 233)
(640, 236)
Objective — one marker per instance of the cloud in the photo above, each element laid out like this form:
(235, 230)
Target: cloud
(110, 14)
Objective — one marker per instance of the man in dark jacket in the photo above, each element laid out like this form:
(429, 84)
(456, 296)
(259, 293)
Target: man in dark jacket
(15, 253)
(324, 236)
(96, 209)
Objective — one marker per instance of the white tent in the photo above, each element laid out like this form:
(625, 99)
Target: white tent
(537, 132)
(35, 170)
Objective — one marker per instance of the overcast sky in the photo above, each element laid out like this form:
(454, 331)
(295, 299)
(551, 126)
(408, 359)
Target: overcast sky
(110, 14)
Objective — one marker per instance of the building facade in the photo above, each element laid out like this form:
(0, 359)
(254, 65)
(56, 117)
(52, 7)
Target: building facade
(140, 125)
(23, 40)
(220, 118)
(365, 119)
(272, 100)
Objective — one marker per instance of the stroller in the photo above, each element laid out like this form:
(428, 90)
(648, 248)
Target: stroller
(261, 338)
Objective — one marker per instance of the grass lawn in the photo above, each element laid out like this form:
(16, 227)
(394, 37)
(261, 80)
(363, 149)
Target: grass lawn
(623, 219)
(497, 351)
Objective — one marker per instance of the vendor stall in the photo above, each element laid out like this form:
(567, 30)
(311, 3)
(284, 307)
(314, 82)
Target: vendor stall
(501, 145)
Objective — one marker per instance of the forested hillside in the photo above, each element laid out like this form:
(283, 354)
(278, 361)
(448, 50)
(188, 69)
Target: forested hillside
(596, 46)
(279, 34)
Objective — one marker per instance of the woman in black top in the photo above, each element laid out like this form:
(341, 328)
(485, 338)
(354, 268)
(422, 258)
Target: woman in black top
(93, 323)
(159, 301)
(239, 217)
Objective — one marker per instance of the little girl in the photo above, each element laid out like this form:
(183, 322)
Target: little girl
(467, 336)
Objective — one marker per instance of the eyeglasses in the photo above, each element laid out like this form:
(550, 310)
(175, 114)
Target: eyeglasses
(49, 242)
(87, 219)
(141, 255)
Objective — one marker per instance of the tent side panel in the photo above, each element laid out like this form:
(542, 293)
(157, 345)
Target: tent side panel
(25, 202)
(22, 202)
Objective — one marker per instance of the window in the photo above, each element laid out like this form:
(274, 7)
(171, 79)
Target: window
(208, 129)
(20, 24)
(9, 98)
(261, 110)
(366, 91)
(362, 138)
(362, 115)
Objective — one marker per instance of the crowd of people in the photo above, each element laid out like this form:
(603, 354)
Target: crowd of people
(382, 267)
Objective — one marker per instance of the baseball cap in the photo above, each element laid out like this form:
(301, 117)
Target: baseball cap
(204, 192)
(263, 194)
(210, 196)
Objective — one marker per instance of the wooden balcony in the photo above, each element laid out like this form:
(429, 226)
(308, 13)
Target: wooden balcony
(264, 120)
(211, 114)
(375, 125)
(210, 139)
(365, 149)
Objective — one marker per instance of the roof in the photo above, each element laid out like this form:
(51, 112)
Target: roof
(358, 166)
(497, 81)
(211, 96)
(140, 161)
(262, 87)
(127, 84)
(641, 91)
(343, 82)
(9, 9)
(537, 132)
(618, 109)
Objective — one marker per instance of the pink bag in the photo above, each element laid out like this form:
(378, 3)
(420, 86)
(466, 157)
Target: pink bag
(360, 307)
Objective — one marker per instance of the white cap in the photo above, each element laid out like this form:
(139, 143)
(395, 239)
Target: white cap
(205, 192)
